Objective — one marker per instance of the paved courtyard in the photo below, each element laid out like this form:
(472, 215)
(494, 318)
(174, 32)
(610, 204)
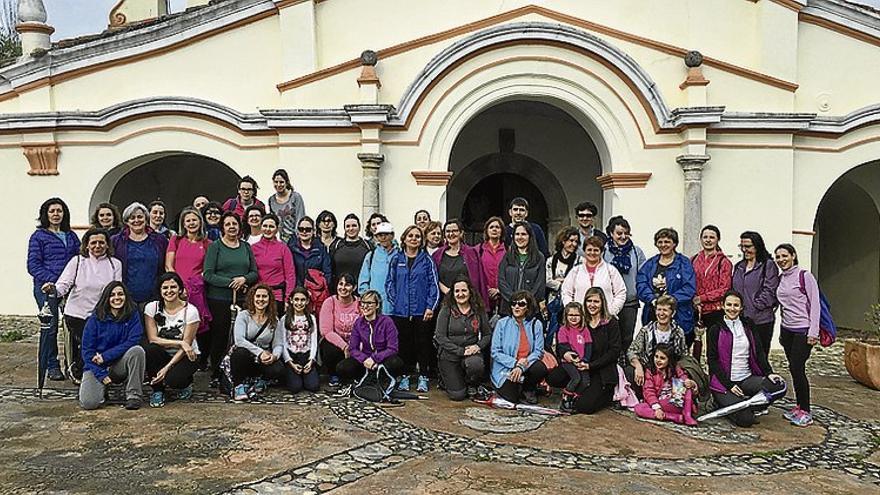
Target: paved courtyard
(316, 444)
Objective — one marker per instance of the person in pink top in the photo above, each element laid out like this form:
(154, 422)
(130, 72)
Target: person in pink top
(274, 261)
(574, 348)
(338, 314)
(798, 296)
(668, 390)
(491, 252)
(714, 277)
(594, 272)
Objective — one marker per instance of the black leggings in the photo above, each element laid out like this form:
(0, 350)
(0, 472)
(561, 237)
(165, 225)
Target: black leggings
(216, 340)
(797, 352)
(764, 332)
(331, 356)
(594, 397)
(627, 320)
(244, 364)
(578, 380)
(512, 391)
(350, 369)
(297, 382)
(750, 386)
(178, 377)
(75, 327)
(416, 337)
(457, 375)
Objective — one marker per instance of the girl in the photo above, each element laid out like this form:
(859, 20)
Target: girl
(172, 352)
(106, 216)
(422, 218)
(661, 394)
(300, 331)
(713, 271)
(574, 350)
(258, 344)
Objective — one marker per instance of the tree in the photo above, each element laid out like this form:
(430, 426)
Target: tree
(10, 42)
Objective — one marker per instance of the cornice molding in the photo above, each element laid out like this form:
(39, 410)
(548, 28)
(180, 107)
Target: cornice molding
(846, 18)
(431, 178)
(624, 180)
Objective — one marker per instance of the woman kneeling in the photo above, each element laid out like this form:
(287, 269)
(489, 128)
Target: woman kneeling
(517, 348)
(258, 344)
(462, 334)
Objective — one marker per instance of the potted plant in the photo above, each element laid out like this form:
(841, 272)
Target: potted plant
(862, 354)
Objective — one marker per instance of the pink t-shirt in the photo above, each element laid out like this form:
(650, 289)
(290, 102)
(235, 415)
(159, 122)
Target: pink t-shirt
(337, 320)
(189, 257)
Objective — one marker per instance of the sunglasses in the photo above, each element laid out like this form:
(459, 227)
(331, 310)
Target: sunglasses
(304, 229)
(585, 215)
(519, 304)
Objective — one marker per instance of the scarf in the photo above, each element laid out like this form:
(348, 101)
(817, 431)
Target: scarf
(621, 260)
(559, 258)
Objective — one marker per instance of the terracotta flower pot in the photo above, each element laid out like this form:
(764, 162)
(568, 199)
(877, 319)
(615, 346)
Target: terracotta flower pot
(862, 361)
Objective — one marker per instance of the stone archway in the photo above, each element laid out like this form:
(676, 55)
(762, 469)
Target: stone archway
(175, 178)
(844, 251)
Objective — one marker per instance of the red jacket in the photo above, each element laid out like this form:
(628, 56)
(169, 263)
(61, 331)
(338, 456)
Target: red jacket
(654, 383)
(714, 278)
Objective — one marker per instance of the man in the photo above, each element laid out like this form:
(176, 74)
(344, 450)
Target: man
(247, 196)
(374, 270)
(586, 213)
(519, 212)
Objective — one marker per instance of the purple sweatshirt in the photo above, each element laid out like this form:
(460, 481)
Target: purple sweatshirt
(376, 339)
(758, 287)
(800, 308)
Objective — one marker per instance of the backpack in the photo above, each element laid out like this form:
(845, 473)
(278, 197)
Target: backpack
(375, 386)
(827, 328)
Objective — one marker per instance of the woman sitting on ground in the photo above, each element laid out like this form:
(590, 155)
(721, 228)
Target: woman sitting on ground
(172, 352)
(258, 344)
(663, 330)
(668, 390)
(338, 314)
(300, 349)
(461, 336)
(737, 365)
(517, 348)
(110, 349)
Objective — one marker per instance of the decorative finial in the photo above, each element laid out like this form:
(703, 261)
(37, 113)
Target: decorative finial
(693, 58)
(31, 11)
(369, 57)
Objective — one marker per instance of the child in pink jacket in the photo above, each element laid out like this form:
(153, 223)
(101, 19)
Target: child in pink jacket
(667, 390)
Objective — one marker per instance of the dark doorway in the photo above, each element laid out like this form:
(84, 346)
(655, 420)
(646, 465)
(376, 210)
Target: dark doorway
(492, 195)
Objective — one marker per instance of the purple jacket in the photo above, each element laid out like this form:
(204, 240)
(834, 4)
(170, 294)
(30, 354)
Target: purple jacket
(474, 268)
(719, 355)
(758, 288)
(376, 339)
(48, 255)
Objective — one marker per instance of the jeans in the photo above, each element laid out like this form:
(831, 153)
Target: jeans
(296, 382)
(416, 338)
(52, 335)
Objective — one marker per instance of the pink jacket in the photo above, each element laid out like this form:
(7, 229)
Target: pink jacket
(714, 278)
(654, 383)
(275, 266)
(337, 320)
(606, 277)
(83, 280)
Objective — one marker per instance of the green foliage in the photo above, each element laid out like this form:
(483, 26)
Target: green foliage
(12, 336)
(10, 43)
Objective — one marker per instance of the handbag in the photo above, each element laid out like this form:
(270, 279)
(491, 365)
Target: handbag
(226, 386)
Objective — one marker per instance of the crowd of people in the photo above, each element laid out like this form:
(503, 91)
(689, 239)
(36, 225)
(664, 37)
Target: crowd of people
(257, 294)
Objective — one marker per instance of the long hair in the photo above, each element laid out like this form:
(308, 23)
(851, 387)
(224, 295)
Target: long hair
(103, 310)
(289, 313)
(791, 250)
(283, 174)
(271, 312)
(563, 236)
(181, 230)
(44, 214)
(761, 253)
(117, 218)
(575, 306)
(324, 214)
(603, 311)
(180, 293)
(533, 255)
(672, 361)
(84, 247)
(474, 299)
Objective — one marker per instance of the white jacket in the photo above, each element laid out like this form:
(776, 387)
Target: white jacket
(606, 278)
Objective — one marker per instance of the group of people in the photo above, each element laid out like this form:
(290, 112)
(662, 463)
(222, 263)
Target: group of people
(256, 296)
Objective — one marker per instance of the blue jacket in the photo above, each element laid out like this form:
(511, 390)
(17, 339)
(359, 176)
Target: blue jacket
(505, 343)
(47, 255)
(120, 251)
(374, 273)
(314, 258)
(681, 283)
(111, 338)
(412, 291)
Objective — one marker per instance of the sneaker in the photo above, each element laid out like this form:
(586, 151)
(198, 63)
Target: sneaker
(157, 399)
(403, 384)
(185, 393)
(260, 386)
(240, 393)
(803, 420)
(334, 381)
(423, 384)
(793, 413)
(567, 403)
(530, 397)
(56, 375)
(343, 392)
(762, 412)
(133, 404)
(215, 383)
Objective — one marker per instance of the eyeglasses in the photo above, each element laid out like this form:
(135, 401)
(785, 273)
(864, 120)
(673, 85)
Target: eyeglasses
(369, 303)
(453, 231)
(746, 246)
(304, 229)
(585, 215)
(212, 212)
(519, 304)
(243, 189)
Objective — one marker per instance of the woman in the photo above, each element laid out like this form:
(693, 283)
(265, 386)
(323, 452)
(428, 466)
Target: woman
(274, 262)
(253, 215)
(604, 353)
(559, 265)
(338, 314)
(50, 248)
(713, 271)
(738, 369)
(172, 351)
(462, 334)
(212, 212)
(668, 273)
(756, 277)
(517, 348)
(621, 253)
(286, 203)
(422, 218)
(229, 267)
(433, 232)
(82, 281)
(299, 349)
(798, 295)
(186, 257)
(199, 202)
(110, 349)
(157, 211)
(347, 254)
(259, 342)
(491, 252)
(312, 262)
(522, 268)
(412, 293)
(373, 343)
(327, 225)
(142, 253)
(372, 224)
(106, 216)
(594, 272)
(456, 259)
(662, 330)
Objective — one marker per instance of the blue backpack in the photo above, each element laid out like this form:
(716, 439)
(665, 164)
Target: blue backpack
(827, 328)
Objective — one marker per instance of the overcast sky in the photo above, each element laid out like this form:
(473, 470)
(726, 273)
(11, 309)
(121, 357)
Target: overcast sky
(77, 17)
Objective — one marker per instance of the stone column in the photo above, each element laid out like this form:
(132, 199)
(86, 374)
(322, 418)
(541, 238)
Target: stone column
(692, 165)
(370, 162)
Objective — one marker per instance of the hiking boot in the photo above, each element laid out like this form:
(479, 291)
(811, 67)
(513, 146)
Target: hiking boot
(403, 384)
(185, 393)
(133, 403)
(423, 384)
(240, 394)
(529, 397)
(803, 420)
(157, 399)
(55, 375)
